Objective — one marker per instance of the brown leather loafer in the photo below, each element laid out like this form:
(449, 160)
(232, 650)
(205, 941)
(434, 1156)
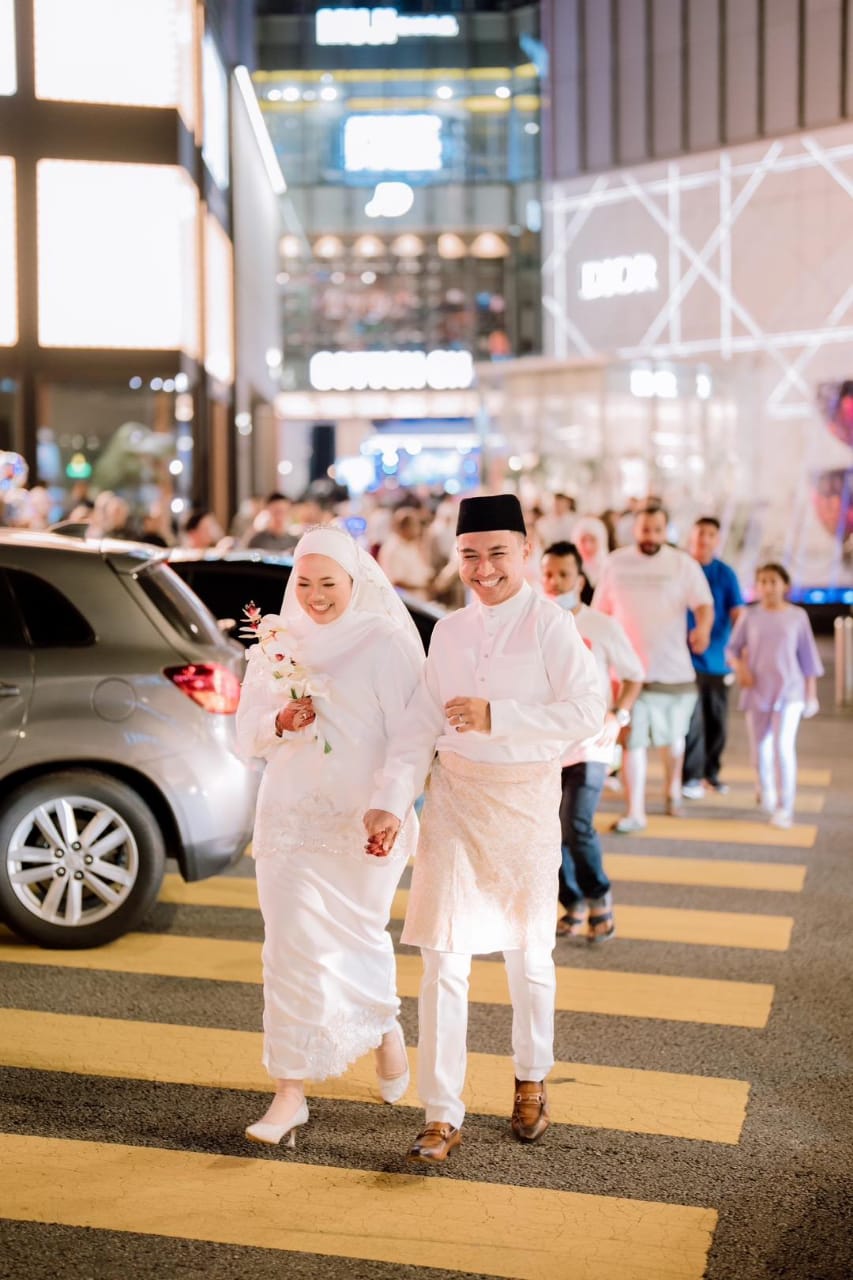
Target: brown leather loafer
(530, 1113)
(435, 1142)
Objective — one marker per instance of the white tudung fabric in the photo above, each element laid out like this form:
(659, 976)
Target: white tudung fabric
(329, 972)
(592, 565)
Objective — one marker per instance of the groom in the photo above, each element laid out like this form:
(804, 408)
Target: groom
(507, 684)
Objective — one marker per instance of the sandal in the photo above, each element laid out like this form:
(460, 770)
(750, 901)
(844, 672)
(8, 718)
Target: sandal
(600, 921)
(573, 923)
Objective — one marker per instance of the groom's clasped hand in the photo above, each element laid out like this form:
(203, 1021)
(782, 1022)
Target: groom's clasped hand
(382, 828)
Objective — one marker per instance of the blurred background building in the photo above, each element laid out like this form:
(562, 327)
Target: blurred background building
(600, 247)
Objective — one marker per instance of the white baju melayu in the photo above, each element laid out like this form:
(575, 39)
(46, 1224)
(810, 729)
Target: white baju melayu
(485, 877)
(328, 961)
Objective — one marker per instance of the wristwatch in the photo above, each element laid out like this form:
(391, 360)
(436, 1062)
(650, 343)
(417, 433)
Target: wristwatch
(623, 717)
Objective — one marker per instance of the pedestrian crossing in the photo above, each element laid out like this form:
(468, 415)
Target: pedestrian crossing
(662, 1102)
(465, 1223)
(472, 1226)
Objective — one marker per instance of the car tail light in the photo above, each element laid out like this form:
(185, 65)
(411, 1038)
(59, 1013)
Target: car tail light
(211, 685)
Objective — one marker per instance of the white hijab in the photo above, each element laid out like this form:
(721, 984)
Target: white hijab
(373, 597)
(592, 525)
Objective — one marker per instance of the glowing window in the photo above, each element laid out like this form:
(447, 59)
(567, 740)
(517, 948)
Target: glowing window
(117, 256)
(215, 93)
(8, 70)
(8, 272)
(128, 52)
(218, 302)
(392, 143)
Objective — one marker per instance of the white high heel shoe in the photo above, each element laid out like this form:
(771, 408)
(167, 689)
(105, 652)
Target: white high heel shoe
(392, 1090)
(270, 1135)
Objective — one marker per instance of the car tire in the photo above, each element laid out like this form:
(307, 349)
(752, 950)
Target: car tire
(126, 867)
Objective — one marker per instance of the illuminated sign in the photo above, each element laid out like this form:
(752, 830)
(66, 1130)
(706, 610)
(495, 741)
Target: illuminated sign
(391, 370)
(392, 143)
(618, 277)
(380, 25)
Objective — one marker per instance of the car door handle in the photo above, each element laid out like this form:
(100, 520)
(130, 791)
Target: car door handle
(9, 690)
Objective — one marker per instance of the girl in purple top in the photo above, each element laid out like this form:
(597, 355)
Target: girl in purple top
(774, 656)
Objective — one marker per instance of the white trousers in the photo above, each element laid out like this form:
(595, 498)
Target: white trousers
(443, 1025)
(773, 746)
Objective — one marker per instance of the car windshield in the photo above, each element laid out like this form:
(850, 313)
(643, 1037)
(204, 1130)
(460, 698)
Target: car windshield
(181, 608)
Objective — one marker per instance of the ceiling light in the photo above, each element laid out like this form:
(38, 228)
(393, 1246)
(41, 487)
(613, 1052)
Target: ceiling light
(503, 91)
(444, 92)
(368, 246)
(489, 245)
(408, 245)
(328, 247)
(328, 94)
(290, 94)
(450, 245)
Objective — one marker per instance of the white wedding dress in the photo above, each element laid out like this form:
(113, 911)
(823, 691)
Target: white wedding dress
(328, 961)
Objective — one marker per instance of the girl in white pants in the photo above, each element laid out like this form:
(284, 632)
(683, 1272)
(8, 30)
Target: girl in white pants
(774, 656)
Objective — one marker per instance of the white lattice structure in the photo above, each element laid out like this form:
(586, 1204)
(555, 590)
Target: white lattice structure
(754, 278)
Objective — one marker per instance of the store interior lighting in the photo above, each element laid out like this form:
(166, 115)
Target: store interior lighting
(407, 245)
(368, 246)
(328, 247)
(290, 246)
(451, 246)
(488, 244)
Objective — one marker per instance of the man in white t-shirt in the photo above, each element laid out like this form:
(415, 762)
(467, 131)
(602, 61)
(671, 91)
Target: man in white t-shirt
(649, 588)
(584, 888)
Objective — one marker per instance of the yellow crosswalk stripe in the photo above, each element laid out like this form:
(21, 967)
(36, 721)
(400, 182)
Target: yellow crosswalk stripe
(234, 891)
(352, 1213)
(660, 1102)
(744, 798)
(742, 771)
(716, 873)
(631, 995)
(650, 924)
(716, 831)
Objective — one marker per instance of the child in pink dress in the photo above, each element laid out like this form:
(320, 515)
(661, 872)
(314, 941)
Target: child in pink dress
(775, 659)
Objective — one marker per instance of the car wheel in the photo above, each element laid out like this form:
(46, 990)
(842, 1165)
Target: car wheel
(82, 859)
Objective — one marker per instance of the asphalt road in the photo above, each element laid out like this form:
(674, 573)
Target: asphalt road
(702, 1097)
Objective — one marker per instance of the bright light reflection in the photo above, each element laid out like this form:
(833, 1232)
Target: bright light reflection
(219, 302)
(129, 52)
(8, 70)
(8, 272)
(117, 256)
(392, 143)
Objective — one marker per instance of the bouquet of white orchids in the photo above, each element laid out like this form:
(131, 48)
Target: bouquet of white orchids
(278, 647)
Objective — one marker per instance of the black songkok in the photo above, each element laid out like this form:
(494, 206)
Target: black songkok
(485, 515)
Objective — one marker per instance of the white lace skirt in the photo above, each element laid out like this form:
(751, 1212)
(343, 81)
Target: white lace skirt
(485, 878)
(329, 971)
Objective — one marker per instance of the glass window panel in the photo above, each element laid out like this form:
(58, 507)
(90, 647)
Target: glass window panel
(219, 302)
(215, 88)
(8, 266)
(117, 257)
(129, 52)
(8, 70)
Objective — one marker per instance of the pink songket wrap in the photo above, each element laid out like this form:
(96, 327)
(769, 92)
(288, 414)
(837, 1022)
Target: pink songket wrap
(485, 875)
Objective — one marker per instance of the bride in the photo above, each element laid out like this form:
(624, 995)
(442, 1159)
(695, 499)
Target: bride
(328, 961)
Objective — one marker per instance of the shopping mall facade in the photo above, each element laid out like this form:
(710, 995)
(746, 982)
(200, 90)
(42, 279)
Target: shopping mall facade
(567, 244)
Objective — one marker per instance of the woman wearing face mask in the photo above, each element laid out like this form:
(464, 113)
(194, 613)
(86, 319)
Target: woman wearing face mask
(583, 886)
(329, 970)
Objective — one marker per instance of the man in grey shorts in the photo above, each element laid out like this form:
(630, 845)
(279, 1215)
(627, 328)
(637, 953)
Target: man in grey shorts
(649, 588)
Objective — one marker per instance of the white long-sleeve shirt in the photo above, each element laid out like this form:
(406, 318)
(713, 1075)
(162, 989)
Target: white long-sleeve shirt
(526, 659)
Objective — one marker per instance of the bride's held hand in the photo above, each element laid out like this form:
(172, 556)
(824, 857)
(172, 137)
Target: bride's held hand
(382, 828)
(298, 714)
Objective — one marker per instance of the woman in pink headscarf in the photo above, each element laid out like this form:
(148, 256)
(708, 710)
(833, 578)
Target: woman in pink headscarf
(589, 535)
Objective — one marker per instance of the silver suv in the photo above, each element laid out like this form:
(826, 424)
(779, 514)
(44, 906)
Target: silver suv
(117, 748)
